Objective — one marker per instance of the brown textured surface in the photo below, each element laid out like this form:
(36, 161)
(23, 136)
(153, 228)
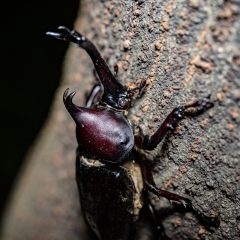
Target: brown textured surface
(185, 50)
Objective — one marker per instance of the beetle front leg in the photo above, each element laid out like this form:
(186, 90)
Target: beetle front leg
(92, 95)
(95, 91)
(150, 142)
(151, 187)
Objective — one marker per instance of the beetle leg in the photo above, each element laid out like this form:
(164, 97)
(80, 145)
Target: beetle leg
(95, 90)
(140, 88)
(151, 186)
(150, 142)
(160, 230)
(92, 95)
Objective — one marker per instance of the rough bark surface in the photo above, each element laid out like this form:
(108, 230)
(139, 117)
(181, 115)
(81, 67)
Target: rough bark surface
(185, 50)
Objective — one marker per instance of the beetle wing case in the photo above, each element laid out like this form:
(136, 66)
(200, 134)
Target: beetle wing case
(110, 199)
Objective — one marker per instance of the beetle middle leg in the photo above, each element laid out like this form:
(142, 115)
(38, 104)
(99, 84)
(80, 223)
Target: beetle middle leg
(151, 187)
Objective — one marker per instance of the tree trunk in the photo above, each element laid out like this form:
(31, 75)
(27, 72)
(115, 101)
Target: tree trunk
(185, 50)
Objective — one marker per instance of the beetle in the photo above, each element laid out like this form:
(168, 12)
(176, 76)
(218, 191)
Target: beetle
(112, 178)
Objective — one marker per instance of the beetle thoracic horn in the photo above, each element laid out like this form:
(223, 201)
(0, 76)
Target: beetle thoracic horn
(73, 109)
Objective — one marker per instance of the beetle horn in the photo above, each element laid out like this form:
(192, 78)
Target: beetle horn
(71, 107)
(112, 88)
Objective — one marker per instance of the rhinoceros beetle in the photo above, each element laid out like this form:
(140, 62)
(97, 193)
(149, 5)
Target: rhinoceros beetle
(113, 180)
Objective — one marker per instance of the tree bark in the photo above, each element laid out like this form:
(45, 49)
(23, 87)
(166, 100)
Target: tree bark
(185, 50)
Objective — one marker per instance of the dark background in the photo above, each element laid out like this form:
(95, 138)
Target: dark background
(30, 72)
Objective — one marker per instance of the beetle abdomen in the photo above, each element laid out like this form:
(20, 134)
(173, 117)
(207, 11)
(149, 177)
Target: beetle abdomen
(107, 197)
(104, 134)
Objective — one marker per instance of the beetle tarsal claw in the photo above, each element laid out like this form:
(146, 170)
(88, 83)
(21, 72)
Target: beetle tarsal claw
(184, 203)
(207, 101)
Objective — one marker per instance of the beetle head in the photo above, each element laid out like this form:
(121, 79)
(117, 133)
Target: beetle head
(119, 100)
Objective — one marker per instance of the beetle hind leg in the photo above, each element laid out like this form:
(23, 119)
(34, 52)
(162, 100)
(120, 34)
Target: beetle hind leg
(151, 187)
(159, 228)
(186, 203)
